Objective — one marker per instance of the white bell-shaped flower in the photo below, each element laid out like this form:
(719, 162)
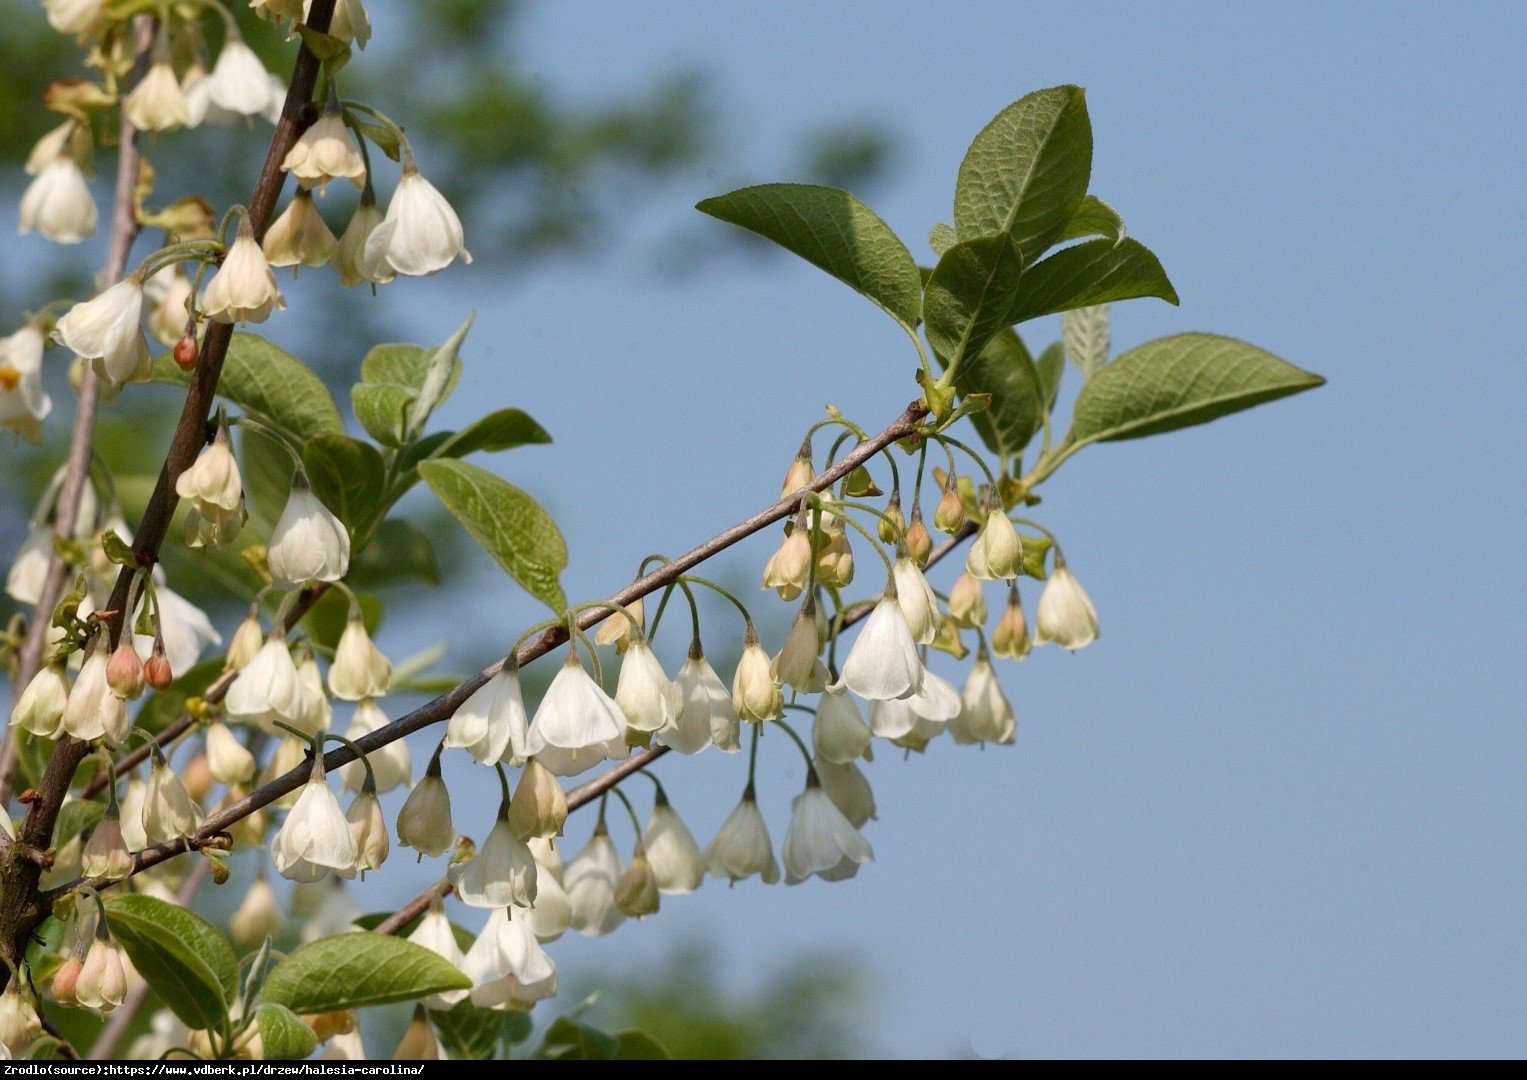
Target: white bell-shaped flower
(325, 151)
(839, 733)
(539, 806)
(672, 853)
(319, 712)
(105, 855)
(258, 915)
(19, 1022)
(23, 582)
(157, 103)
(105, 330)
(491, 724)
(755, 694)
(797, 659)
(244, 288)
(57, 204)
(938, 700)
(883, 663)
(820, 839)
(501, 874)
(102, 981)
(169, 812)
(705, 706)
(350, 21)
(848, 789)
(996, 552)
(1065, 614)
(360, 670)
(229, 761)
(967, 603)
(436, 934)
(40, 708)
(269, 689)
(349, 256)
(315, 840)
(590, 879)
(646, 698)
(84, 713)
(299, 236)
(789, 568)
(308, 543)
(985, 715)
(742, 846)
(213, 478)
(507, 965)
(420, 233)
(239, 83)
(577, 724)
(390, 764)
(917, 601)
(424, 822)
(891, 719)
(57, 141)
(24, 404)
(368, 828)
(552, 913)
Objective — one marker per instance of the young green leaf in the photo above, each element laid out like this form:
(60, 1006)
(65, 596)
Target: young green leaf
(382, 409)
(271, 383)
(267, 473)
(941, 238)
(968, 296)
(1095, 272)
(398, 551)
(1094, 217)
(348, 971)
(834, 231)
(1176, 382)
(468, 1032)
(182, 957)
(283, 1035)
(1004, 370)
(509, 524)
(440, 375)
(569, 1040)
(1084, 332)
(1026, 172)
(1051, 368)
(504, 429)
(347, 476)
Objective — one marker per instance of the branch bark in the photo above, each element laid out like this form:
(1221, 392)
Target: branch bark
(22, 906)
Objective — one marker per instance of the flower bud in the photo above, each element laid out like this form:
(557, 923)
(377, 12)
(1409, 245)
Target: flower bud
(40, 709)
(1010, 638)
(369, 830)
(424, 822)
(247, 640)
(949, 516)
(996, 552)
(798, 655)
(967, 604)
(359, 669)
(539, 806)
(616, 629)
(105, 854)
(156, 670)
(755, 694)
(185, 353)
(800, 473)
(299, 237)
(919, 543)
(419, 1042)
(124, 672)
(258, 915)
(835, 561)
(892, 526)
(351, 251)
(789, 568)
(66, 982)
(636, 892)
(1065, 614)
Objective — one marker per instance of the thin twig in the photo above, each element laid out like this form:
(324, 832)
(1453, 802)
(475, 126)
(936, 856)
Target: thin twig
(442, 707)
(124, 230)
(413, 909)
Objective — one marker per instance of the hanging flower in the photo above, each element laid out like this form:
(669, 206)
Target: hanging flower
(755, 694)
(350, 21)
(247, 641)
(258, 915)
(742, 847)
(967, 604)
(996, 552)
(491, 724)
(424, 822)
(268, 689)
(315, 840)
(23, 582)
(85, 710)
(102, 982)
(643, 693)
(40, 709)
(57, 204)
(848, 789)
(797, 659)
(19, 1022)
(420, 233)
(539, 806)
(105, 331)
(359, 669)
(105, 855)
(239, 83)
(299, 236)
(157, 102)
(435, 933)
(577, 724)
(835, 561)
(23, 402)
(1066, 615)
(883, 662)
(820, 839)
(636, 892)
(502, 873)
(244, 288)
(390, 764)
(985, 715)
(839, 734)
(168, 811)
(308, 543)
(325, 151)
(789, 568)
(590, 880)
(1010, 638)
(351, 251)
(368, 828)
(917, 601)
(507, 965)
(705, 707)
(672, 853)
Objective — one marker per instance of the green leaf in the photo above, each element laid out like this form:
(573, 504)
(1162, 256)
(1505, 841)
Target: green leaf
(1051, 368)
(517, 1028)
(1095, 272)
(834, 231)
(568, 1040)
(348, 476)
(440, 375)
(501, 430)
(398, 550)
(406, 365)
(941, 238)
(509, 524)
(1094, 217)
(1035, 549)
(637, 1045)
(1004, 370)
(116, 549)
(1176, 382)
(380, 134)
(283, 1035)
(1025, 174)
(348, 971)
(183, 957)
(468, 1032)
(382, 409)
(1084, 334)
(74, 818)
(266, 469)
(968, 297)
(271, 383)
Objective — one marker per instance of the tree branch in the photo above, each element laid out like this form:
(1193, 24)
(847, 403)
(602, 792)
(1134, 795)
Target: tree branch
(442, 707)
(23, 907)
(124, 230)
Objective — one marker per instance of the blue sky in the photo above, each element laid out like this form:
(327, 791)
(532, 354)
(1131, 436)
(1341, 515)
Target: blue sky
(1277, 809)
